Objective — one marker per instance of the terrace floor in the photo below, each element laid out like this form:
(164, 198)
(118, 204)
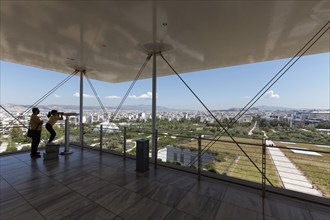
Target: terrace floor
(87, 185)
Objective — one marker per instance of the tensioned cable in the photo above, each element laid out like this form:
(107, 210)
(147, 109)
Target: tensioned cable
(13, 116)
(270, 83)
(212, 115)
(46, 95)
(95, 93)
(236, 117)
(131, 86)
(54, 89)
(264, 88)
(244, 110)
(97, 97)
(127, 93)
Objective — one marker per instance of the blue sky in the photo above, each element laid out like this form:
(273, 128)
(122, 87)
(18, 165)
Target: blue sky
(305, 85)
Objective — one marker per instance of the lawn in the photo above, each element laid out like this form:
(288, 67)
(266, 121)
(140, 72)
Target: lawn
(233, 162)
(315, 168)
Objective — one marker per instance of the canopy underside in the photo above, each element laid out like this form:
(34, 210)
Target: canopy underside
(111, 39)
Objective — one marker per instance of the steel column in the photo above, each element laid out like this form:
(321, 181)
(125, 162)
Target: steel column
(81, 104)
(153, 113)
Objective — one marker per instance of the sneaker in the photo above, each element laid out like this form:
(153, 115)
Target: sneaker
(35, 155)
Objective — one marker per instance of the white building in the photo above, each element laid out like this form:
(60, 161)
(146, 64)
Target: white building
(320, 115)
(107, 127)
(141, 116)
(245, 119)
(90, 119)
(183, 156)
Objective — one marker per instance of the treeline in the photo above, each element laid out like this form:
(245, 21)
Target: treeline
(281, 130)
(323, 125)
(276, 130)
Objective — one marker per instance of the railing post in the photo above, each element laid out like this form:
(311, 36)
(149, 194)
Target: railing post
(263, 167)
(101, 138)
(125, 130)
(156, 147)
(67, 129)
(199, 156)
(82, 136)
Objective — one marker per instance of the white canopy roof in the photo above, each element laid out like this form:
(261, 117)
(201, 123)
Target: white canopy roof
(108, 38)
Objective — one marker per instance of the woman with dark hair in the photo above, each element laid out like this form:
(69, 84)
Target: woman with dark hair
(35, 126)
(53, 116)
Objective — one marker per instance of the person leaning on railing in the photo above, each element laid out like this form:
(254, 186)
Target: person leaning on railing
(53, 116)
(35, 126)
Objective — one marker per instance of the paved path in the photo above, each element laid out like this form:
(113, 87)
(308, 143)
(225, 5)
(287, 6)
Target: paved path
(291, 176)
(251, 131)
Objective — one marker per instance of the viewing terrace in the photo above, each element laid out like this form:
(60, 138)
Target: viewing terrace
(90, 184)
(113, 41)
(87, 185)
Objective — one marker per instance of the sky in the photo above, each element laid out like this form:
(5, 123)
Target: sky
(305, 85)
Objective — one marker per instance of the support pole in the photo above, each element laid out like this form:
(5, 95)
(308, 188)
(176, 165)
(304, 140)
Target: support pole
(125, 130)
(199, 166)
(153, 113)
(263, 167)
(156, 148)
(101, 138)
(67, 129)
(81, 104)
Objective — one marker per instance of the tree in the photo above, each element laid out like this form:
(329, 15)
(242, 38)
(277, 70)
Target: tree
(263, 123)
(25, 148)
(17, 134)
(323, 125)
(211, 167)
(11, 147)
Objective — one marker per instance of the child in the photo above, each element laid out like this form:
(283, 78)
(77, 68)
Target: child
(53, 117)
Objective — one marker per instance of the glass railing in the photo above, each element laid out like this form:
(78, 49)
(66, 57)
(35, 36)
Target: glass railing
(295, 166)
(298, 167)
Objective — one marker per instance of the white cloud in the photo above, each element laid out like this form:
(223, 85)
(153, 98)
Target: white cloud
(57, 96)
(147, 95)
(246, 97)
(271, 95)
(112, 97)
(84, 95)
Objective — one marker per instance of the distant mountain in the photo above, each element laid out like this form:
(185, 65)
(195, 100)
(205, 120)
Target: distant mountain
(145, 108)
(274, 108)
(264, 108)
(234, 110)
(75, 108)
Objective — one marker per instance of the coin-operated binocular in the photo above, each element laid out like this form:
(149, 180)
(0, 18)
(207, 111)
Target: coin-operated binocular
(66, 149)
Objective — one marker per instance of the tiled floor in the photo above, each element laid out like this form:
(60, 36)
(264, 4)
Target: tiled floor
(87, 185)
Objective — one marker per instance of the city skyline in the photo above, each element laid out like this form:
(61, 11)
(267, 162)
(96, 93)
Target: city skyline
(305, 85)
